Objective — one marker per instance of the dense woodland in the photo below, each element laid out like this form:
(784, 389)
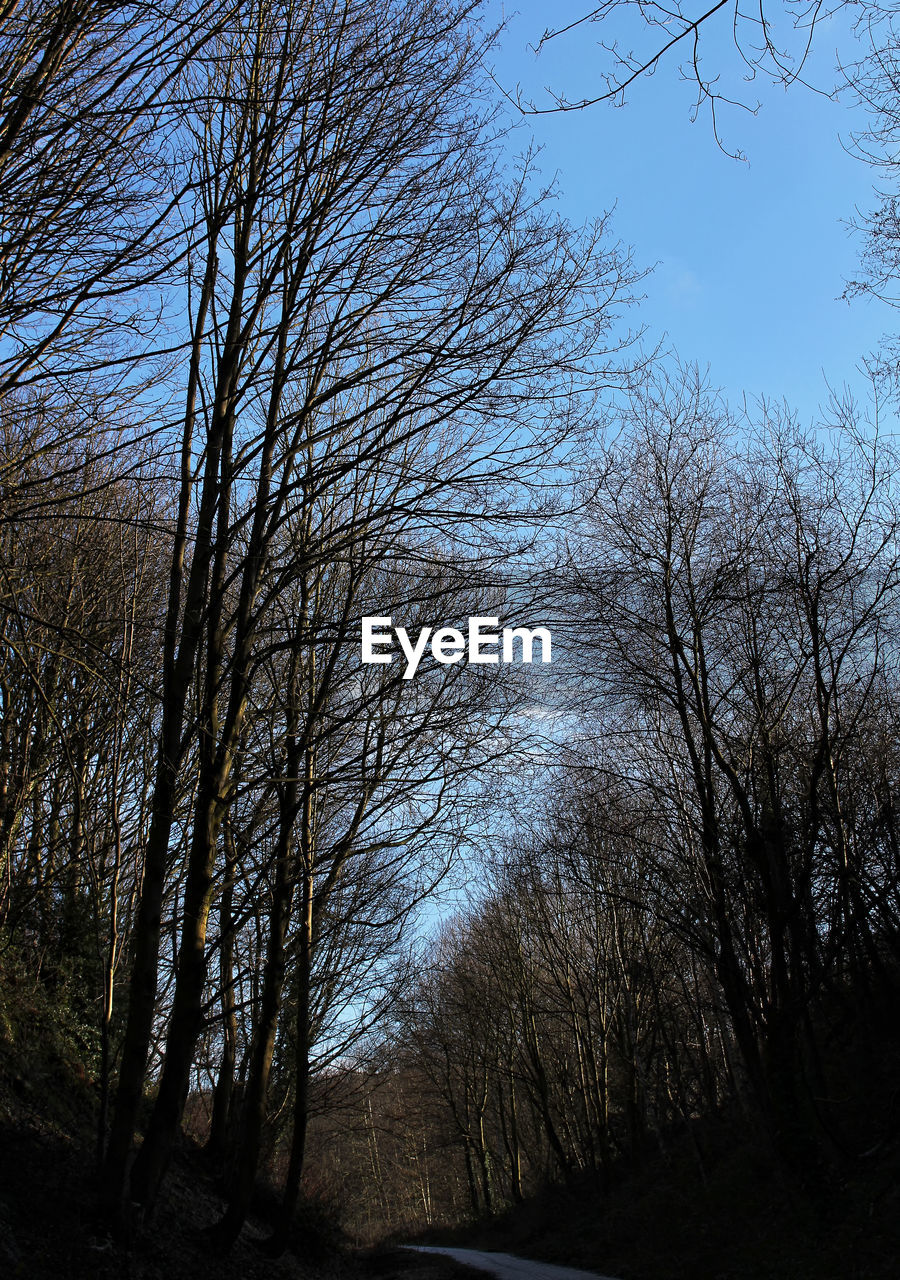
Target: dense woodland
(289, 338)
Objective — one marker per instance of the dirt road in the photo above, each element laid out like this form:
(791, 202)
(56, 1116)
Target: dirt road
(507, 1267)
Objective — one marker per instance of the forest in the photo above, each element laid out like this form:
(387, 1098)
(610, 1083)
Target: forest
(584, 957)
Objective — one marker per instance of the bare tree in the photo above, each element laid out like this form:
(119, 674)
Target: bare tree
(745, 604)
(80, 572)
(772, 44)
(361, 264)
(91, 185)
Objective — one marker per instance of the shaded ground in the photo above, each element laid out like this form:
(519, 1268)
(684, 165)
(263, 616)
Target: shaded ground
(668, 1221)
(49, 1229)
(49, 1225)
(508, 1267)
(409, 1264)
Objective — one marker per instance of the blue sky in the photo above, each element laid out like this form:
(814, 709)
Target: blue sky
(752, 257)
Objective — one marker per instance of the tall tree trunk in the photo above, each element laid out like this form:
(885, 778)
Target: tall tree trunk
(186, 1020)
(290, 1198)
(179, 657)
(254, 1104)
(223, 1093)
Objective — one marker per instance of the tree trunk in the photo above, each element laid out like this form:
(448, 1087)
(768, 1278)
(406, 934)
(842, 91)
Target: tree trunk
(223, 1093)
(290, 1198)
(187, 1007)
(254, 1104)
